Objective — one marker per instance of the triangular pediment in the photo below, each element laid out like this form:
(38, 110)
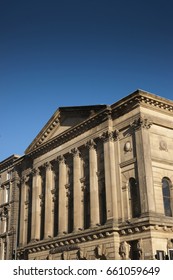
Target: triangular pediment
(63, 119)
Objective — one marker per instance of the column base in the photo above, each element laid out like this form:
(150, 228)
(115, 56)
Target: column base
(62, 233)
(48, 237)
(94, 226)
(34, 240)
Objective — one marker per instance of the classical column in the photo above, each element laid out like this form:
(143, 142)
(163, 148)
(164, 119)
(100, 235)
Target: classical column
(49, 214)
(23, 211)
(62, 212)
(93, 180)
(144, 164)
(36, 218)
(110, 175)
(78, 219)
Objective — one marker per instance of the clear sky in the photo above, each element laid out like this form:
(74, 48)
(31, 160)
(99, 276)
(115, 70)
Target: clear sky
(77, 52)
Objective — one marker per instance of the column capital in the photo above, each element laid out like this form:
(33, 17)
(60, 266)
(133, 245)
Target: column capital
(91, 144)
(75, 152)
(61, 159)
(48, 165)
(109, 135)
(35, 171)
(141, 122)
(24, 179)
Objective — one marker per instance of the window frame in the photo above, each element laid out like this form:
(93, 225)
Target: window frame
(134, 198)
(166, 195)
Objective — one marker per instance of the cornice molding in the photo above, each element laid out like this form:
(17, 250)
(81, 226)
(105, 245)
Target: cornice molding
(143, 228)
(159, 103)
(141, 98)
(67, 240)
(125, 105)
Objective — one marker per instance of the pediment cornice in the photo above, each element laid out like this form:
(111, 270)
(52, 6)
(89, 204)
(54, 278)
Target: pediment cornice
(40, 148)
(50, 125)
(141, 98)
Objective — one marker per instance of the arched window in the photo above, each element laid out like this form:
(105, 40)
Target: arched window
(166, 184)
(134, 198)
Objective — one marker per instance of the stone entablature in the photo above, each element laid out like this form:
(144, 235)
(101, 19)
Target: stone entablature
(140, 98)
(137, 99)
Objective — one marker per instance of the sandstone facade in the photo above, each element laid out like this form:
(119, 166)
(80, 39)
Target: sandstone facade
(96, 183)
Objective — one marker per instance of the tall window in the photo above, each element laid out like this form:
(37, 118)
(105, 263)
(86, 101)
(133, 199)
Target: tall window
(166, 184)
(134, 198)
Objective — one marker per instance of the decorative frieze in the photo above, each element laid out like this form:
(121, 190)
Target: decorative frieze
(64, 248)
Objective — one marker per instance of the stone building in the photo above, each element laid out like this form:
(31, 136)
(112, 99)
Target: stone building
(9, 204)
(96, 183)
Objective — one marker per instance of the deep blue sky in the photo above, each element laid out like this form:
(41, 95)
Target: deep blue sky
(77, 52)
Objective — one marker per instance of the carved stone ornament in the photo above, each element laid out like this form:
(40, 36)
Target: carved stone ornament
(48, 166)
(140, 249)
(4, 212)
(24, 179)
(141, 122)
(110, 135)
(81, 255)
(64, 248)
(128, 147)
(101, 252)
(91, 144)
(65, 256)
(35, 171)
(75, 152)
(124, 250)
(169, 244)
(163, 146)
(61, 159)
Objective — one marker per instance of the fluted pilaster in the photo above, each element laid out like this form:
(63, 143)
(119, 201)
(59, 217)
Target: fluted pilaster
(141, 127)
(110, 174)
(93, 180)
(49, 214)
(36, 210)
(62, 219)
(78, 219)
(23, 211)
